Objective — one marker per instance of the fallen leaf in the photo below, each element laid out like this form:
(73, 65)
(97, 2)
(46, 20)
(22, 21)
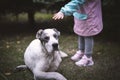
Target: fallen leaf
(7, 73)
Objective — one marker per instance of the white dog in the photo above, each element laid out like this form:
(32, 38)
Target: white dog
(43, 56)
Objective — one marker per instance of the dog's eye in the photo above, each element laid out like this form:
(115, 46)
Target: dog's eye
(56, 36)
(46, 38)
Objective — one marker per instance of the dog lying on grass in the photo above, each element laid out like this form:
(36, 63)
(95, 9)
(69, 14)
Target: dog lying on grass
(43, 56)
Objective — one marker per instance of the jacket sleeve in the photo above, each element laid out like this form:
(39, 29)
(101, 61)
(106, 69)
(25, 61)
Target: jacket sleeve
(72, 7)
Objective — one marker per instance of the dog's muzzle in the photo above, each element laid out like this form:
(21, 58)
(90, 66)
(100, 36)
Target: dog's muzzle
(55, 46)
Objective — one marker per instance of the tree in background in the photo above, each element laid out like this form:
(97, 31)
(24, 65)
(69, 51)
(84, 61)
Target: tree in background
(31, 6)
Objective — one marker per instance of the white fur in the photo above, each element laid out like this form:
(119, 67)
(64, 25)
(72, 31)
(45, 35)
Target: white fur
(52, 40)
(43, 62)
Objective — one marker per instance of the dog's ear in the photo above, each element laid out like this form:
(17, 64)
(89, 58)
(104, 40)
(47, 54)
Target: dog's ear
(58, 32)
(38, 34)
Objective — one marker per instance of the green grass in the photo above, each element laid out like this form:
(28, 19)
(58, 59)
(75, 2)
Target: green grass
(23, 17)
(42, 16)
(106, 56)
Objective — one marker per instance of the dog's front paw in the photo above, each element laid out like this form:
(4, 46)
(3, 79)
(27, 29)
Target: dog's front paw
(63, 54)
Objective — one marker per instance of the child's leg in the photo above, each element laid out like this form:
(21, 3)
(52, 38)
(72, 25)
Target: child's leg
(89, 43)
(86, 60)
(81, 43)
(78, 55)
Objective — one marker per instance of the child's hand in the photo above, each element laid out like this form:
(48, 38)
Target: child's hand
(58, 15)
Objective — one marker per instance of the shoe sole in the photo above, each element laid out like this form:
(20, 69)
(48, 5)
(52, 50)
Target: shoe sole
(89, 64)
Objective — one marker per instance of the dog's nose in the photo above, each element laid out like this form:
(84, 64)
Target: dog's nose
(55, 46)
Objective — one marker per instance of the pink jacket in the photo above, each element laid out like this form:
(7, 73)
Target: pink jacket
(92, 25)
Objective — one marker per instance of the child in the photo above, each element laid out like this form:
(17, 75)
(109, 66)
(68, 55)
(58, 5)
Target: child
(87, 23)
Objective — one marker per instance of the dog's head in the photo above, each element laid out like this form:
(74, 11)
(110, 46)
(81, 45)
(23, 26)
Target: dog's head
(49, 38)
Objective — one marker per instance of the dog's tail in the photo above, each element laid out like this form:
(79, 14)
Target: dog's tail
(20, 68)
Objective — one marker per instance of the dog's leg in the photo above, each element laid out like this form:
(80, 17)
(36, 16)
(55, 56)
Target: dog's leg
(56, 62)
(48, 75)
(63, 54)
(35, 78)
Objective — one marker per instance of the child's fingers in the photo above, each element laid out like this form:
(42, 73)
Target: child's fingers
(55, 17)
(62, 17)
(58, 16)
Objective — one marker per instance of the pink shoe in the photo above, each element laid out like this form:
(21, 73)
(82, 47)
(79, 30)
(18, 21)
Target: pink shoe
(78, 55)
(85, 61)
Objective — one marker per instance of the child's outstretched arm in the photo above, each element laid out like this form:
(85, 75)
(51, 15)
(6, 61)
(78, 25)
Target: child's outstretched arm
(58, 15)
(69, 9)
